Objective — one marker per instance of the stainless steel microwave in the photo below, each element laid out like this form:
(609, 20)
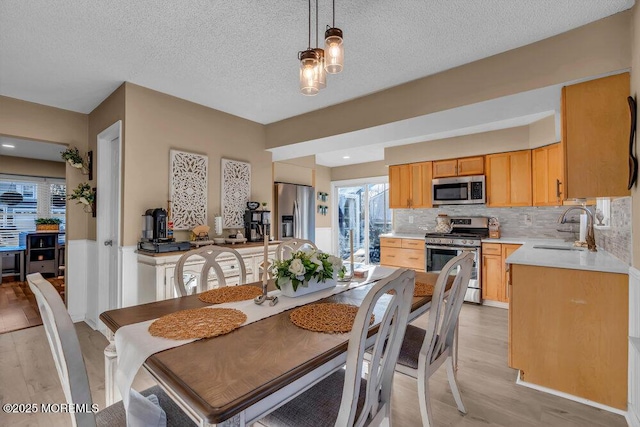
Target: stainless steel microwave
(462, 190)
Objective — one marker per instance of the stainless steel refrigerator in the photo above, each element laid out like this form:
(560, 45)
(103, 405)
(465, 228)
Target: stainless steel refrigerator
(295, 215)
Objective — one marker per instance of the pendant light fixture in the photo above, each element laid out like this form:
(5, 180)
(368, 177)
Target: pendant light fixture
(308, 61)
(320, 73)
(333, 46)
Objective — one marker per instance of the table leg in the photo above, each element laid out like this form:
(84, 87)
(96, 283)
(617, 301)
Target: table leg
(21, 263)
(112, 395)
(235, 421)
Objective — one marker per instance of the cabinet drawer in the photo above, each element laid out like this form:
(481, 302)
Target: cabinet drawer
(491, 249)
(390, 242)
(413, 244)
(42, 267)
(397, 257)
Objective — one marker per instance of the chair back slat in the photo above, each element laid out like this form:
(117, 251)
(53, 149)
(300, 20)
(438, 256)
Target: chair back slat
(445, 307)
(65, 348)
(286, 248)
(385, 350)
(210, 255)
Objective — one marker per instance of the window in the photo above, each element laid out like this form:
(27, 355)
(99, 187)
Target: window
(23, 199)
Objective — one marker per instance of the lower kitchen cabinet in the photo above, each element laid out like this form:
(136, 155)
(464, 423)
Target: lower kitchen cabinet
(568, 331)
(495, 277)
(407, 253)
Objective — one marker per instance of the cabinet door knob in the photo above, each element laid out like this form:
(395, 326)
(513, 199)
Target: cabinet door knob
(108, 242)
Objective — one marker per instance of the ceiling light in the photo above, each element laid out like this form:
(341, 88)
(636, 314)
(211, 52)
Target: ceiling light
(8, 146)
(346, 157)
(333, 46)
(308, 60)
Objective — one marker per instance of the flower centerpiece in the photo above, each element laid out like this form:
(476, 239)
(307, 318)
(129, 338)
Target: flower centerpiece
(72, 156)
(308, 270)
(52, 224)
(85, 195)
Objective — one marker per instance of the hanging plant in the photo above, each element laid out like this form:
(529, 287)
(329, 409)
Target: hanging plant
(83, 194)
(72, 156)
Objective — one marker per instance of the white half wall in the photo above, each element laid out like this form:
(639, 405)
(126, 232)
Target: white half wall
(129, 275)
(91, 317)
(323, 239)
(633, 407)
(76, 279)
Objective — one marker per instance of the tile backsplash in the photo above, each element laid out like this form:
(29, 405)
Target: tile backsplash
(531, 222)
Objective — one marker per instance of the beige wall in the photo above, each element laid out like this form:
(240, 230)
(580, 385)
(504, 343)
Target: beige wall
(593, 49)
(323, 184)
(107, 113)
(360, 170)
(635, 91)
(31, 167)
(498, 141)
(293, 173)
(156, 123)
(542, 132)
(38, 122)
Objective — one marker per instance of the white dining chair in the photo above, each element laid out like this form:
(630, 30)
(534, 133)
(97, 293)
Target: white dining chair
(209, 254)
(286, 248)
(67, 357)
(363, 402)
(423, 352)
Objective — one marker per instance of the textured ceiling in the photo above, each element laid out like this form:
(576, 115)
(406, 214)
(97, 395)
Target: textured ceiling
(240, 56)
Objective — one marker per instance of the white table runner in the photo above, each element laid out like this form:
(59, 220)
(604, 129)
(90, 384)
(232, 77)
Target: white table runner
(134, 343)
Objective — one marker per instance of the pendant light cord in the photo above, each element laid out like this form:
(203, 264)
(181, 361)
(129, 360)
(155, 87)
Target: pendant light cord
(309, 47)
(334, 13)
(316, 24)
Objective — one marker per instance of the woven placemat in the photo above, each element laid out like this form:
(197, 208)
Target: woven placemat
(230, 294)
(327, 317)
(197, 323)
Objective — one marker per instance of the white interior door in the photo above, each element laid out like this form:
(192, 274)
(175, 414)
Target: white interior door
(108, 220)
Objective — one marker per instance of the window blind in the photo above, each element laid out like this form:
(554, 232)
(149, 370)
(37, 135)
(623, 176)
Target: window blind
(25, 198)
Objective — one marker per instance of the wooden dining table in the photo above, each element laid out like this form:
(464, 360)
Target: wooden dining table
(237, 378)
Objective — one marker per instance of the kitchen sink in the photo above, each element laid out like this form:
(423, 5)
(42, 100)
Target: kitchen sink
(559, 247)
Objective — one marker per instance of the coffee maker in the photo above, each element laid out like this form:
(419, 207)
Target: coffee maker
(154, 226)
(256, 225)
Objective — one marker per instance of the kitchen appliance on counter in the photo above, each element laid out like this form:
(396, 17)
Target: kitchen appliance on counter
(462, 190)
(154, 233)
(466, 236)
(256, 225)
(294, 212)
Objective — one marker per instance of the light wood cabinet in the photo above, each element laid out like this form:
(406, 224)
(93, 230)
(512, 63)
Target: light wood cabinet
(568, 331)
(509, 179)
(410, 185)
(458, 167)
(407, 253)
(548, 175)
(595, 137)
(495, 271)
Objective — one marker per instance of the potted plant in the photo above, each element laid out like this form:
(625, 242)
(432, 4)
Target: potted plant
(72, 156)
(83, 194)
(49, 224)
(308, 270)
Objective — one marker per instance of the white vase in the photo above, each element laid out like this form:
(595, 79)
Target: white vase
(306, 288)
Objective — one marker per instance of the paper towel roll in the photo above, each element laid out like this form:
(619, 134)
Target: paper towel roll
(217, 224)
(583, 228)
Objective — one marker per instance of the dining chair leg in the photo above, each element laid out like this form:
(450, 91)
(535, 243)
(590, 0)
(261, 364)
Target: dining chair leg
(454, 385)
(455, 347)
(424, 400)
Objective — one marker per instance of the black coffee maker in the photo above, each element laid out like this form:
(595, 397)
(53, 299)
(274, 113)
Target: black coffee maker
(256, 224)
(154, 225)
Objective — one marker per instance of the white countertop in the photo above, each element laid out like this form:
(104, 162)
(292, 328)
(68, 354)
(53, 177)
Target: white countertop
(573, 260)
(403, 236)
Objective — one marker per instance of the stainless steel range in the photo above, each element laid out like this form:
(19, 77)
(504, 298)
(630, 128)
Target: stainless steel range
(466, 236)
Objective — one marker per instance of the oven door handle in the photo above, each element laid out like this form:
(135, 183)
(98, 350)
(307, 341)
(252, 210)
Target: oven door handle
(453, 248)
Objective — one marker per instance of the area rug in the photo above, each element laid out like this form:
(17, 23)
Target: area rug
(18, 307)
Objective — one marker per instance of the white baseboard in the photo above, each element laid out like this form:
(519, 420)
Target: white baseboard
(570, 396)
(499, 304)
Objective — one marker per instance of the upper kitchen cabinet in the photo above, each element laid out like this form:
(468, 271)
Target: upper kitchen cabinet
(458, 167)
(595, 137)
(509, 179)
(410, 186)
(548, 175)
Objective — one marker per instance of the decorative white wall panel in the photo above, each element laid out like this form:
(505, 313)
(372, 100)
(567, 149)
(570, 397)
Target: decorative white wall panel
(235, 192)
(188, 189)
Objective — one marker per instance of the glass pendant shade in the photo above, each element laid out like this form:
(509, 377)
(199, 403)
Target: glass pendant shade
(308, 82)
(334, 50)
(320, 73)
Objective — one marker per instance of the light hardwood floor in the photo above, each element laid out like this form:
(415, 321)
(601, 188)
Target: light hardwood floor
(488, 388)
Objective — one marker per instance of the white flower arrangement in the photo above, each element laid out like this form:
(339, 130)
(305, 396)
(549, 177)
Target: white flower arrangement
(305, 265)
(83, 194)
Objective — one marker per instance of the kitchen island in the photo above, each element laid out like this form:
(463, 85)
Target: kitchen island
(568, 323)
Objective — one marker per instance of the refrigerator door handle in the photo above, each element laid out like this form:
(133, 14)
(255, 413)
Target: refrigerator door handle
(296, 220)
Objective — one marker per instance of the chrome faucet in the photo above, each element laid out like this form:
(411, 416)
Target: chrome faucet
(591, 240)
